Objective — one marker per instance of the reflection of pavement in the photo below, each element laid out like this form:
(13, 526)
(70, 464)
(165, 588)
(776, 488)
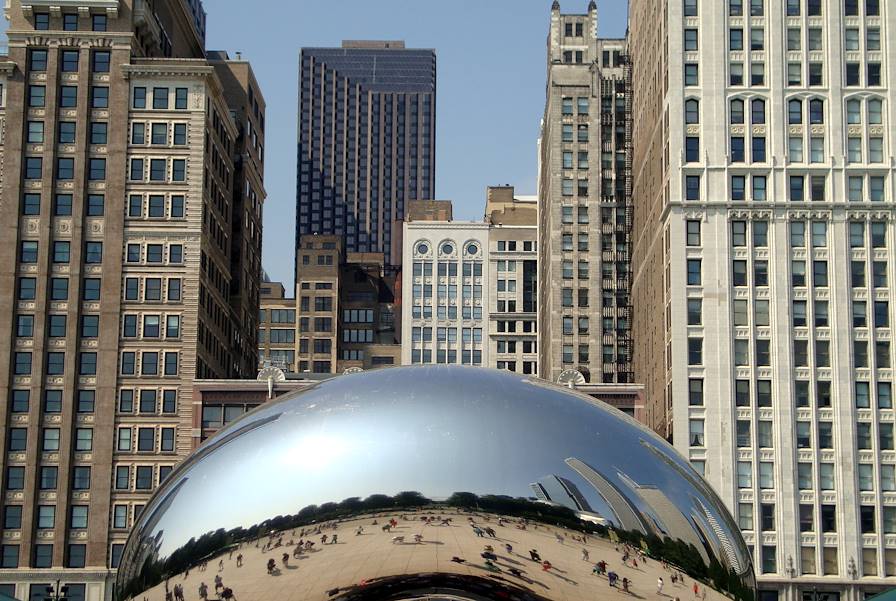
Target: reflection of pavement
(356, 558)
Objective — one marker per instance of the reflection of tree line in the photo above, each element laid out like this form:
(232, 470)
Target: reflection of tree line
(195, 551)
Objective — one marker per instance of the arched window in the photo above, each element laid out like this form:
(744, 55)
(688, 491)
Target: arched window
(795, 112)
(757, 108)
(816, 111)
(875, 111)
(854, 111)
(692, 111)
(737, 111)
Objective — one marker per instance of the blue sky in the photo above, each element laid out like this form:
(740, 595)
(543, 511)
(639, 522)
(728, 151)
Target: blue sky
(491, 79)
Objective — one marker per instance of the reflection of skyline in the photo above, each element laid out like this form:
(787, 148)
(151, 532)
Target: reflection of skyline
(670, 521)
(738, 559)
(625, 513)
(453, 429)
(559, 490)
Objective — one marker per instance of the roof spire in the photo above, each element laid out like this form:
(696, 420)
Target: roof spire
(592, 6)
(555, 5)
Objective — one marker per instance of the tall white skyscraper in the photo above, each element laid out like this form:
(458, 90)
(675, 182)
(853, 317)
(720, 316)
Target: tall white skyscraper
(763, 269)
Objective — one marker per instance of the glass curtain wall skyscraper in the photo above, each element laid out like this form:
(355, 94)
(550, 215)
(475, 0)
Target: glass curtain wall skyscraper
(366, 142)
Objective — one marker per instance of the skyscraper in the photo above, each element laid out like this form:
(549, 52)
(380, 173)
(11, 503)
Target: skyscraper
(366, 142)
(584, 208)
(764, 237)
(130, 233)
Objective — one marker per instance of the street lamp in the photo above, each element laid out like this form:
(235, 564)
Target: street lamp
(59, 594)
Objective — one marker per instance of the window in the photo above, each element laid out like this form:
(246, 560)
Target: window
(695, 311)
(77, 558)
(691, 74)
(695, 351)
(144, 477)
(180, 98)
(694, 272)
(33, 167)
(101, 61)
(160, 98)
(68, 61)
(68, 97)
(690, 40)
(180, 134)
(735, 39)
(737, 111)
(139, 98)
(692, 187)
(693, 233)
(99, 97)
(696, 436)
(65, 168)
(738, 187)
(695, 392)
(37, 96)
(79, 516)
(692, 149)
(98, 132)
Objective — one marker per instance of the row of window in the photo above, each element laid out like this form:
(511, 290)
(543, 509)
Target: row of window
(148, 440)
(61, 252)
(69, 60)
(22, 363)
(447, 356)
(860, 188)
(815, 233)
(802, 393)
(98, 133)
(156, 206)
(160, 134)
(75, 557)
(68, 97)
(65, 168)
(71, 22)
(149, 363)
(63, 205)
(159, 170)
(50, 440)
(161, 98)
(794, 8)
(152, 289)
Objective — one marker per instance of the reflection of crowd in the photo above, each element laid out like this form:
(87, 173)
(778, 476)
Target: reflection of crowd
(286, 547)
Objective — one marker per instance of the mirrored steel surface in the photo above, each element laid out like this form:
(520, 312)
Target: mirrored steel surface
(440, 482)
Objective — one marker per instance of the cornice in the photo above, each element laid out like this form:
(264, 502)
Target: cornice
(168, 69)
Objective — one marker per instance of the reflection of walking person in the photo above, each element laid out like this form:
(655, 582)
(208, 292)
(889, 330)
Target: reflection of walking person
(203, 591)
(221, 566)
(659, 586)
(584, 554)
(239, 560)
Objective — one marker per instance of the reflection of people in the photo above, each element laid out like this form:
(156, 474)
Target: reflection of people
(659, 585)
(534, 555)
(239, 560)
(271, 565)
(227, 594)
(203, 591)
(584, 554)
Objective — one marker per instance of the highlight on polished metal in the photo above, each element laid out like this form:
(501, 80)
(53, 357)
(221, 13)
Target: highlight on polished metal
(438, 482)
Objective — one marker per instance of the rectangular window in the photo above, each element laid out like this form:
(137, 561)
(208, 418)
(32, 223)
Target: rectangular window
(101, 61)
(160, 98)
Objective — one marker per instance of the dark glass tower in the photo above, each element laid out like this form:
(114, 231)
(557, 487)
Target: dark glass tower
(367, 139)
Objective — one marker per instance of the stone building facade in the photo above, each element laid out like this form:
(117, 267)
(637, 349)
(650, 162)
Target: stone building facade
(124, 268)
(584, 215)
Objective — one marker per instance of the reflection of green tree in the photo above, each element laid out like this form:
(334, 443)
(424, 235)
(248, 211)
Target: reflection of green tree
(211, 544)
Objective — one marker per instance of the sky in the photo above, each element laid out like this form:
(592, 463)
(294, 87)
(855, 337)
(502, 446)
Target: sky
(490, 89)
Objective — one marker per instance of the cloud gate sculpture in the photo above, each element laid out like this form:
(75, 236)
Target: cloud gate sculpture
(435, 482)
